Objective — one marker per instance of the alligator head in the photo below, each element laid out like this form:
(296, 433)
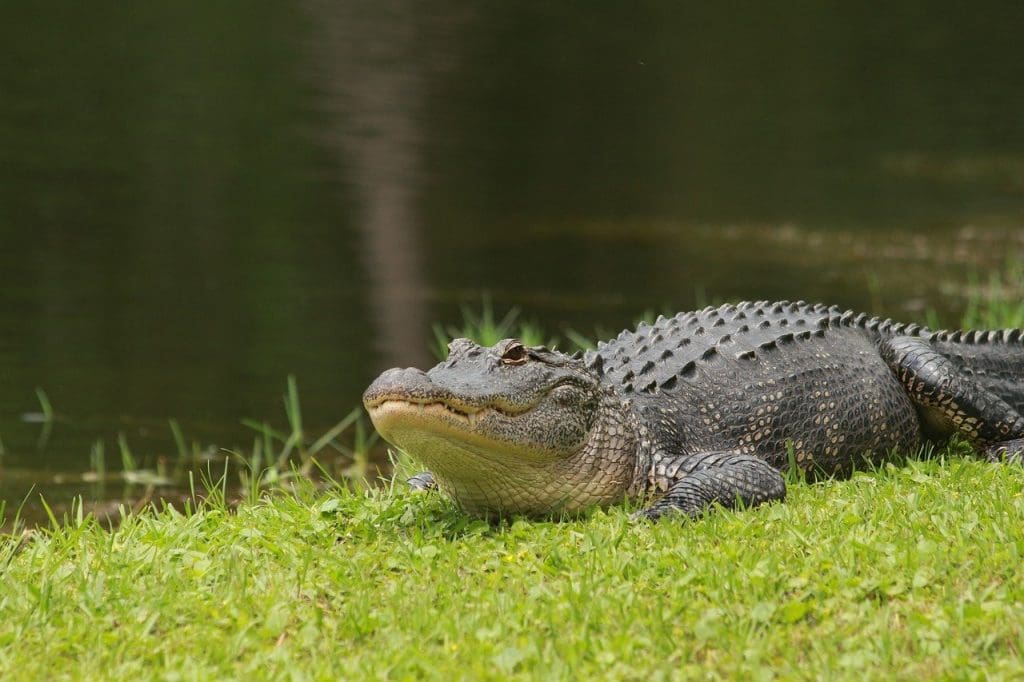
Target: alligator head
(510, 428)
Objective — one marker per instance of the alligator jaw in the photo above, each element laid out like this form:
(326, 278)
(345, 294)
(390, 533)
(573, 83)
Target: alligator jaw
(416, 389)
(433, 430)
(402, 419)
(385, 408)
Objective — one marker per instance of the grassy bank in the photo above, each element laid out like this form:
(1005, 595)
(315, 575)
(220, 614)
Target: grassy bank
(911, 571)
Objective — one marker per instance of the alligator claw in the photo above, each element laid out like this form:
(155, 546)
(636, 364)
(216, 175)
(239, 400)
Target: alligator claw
(643, 515)
(422, 482)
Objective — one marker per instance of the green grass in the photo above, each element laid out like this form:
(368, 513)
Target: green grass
(277, 458)
(914, 570)
(909, 571)
(1000, 302)
(486, 328)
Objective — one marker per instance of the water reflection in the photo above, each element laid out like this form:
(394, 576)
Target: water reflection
(371, 87)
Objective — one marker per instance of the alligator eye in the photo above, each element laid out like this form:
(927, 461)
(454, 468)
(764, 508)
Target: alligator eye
(515, 354)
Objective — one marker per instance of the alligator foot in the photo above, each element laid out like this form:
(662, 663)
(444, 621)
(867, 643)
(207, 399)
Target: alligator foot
(1011, 451)
(422, 482)
(724, 478)
(949, 399)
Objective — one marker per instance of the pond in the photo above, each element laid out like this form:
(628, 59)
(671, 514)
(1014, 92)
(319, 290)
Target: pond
(196, 203)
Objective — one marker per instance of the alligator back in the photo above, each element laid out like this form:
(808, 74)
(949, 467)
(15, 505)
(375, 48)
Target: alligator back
(658, 354)
(760, 377)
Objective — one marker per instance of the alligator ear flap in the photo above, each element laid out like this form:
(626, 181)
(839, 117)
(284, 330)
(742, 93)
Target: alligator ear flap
(596, 364)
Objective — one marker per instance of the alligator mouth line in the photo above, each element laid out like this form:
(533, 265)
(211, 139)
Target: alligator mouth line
(467, 413)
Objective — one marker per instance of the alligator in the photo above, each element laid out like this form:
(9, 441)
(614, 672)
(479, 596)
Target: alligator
(705, 408)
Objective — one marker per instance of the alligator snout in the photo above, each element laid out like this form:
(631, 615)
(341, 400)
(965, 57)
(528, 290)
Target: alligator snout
(401, 383)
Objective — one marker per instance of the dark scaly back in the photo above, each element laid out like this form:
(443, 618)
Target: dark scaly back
(659, 354)
(755, 376)
(994, 358)
(761, 339)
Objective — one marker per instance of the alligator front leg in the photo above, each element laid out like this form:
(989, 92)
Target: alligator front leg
(952, 401)
(725, 478)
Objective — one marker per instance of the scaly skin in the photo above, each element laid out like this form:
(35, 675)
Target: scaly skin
(703, 408)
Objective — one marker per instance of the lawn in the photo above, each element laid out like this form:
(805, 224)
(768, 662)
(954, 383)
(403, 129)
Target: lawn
(909, 571)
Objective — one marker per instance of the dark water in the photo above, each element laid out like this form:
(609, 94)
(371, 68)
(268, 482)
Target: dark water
(197, 200)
